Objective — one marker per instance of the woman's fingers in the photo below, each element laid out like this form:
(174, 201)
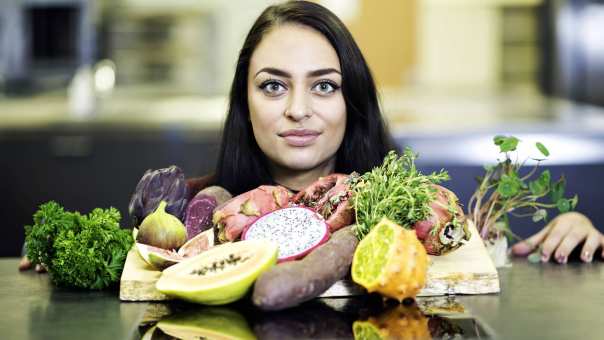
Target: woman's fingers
(575, 235)
(553, 239)
(525, 247)
(593, 241)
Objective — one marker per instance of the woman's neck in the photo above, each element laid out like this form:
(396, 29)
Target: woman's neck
(299, 179)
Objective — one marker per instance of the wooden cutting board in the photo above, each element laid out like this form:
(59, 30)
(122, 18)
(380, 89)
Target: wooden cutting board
(468, 270)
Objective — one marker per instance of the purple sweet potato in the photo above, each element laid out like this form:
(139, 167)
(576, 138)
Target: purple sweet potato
(198, 217)
(289, 284)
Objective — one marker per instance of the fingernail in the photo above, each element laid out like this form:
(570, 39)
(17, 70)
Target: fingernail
(561, 259)
(544, 257)
(587, 256)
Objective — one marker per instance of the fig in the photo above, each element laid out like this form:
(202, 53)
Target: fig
(162, 230)
(197, 244)
(163, 258)
(157, 257)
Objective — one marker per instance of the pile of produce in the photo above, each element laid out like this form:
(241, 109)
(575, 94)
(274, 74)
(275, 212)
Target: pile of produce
(81, 251)
(213, 248)
(160, 205)
(401, 216)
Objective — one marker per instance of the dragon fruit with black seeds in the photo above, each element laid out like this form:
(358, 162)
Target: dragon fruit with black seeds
(297, 231)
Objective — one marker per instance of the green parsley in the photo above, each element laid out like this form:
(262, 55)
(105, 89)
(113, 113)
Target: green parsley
(82, 251)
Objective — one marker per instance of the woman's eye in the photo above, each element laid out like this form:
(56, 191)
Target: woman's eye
(325, 87)
(272, 88)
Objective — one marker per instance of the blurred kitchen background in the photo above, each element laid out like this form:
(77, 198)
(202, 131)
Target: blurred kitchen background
(93, 93)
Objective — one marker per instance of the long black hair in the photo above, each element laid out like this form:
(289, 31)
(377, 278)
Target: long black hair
(242, 165)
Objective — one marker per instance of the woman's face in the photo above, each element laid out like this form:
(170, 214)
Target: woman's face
(297, 110)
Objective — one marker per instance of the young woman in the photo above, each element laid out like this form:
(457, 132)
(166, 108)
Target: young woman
(303, 104)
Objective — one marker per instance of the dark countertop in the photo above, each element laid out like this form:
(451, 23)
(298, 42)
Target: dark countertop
(537, 301)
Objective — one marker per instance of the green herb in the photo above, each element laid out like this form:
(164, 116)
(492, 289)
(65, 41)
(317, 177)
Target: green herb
(504, 191)
(396, 190)
(83, 251)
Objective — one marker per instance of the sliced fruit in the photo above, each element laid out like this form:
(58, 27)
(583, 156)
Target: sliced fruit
(390, 260)
(157, 257)
(236, 214)
(197, 244)
(296, 230)
(220, 275)
(207, 323)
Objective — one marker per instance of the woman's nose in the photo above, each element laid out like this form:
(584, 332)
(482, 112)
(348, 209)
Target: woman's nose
(298, 107)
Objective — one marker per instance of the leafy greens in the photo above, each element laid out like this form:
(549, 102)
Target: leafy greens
(396, 190)
(82, 251)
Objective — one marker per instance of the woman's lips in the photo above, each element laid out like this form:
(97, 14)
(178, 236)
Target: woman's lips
(301, 137)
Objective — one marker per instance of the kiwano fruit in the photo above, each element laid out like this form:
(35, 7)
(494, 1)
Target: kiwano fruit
(390, 260)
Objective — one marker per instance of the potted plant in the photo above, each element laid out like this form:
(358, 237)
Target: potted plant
(506, 189)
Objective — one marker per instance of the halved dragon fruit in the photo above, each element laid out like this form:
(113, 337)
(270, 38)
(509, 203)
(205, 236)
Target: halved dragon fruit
(297, 231)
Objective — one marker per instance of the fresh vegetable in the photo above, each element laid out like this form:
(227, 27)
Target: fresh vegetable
(221, 275)
(238, 213)
(504, 191)
(390, 260)
(198, 216)
(82, 251)
(400, 192)
(396, 190)
(162, 230)
(207, 323)
(329, 196)
(445, 229)
(291, 283)
(296, 230)
(166, 184)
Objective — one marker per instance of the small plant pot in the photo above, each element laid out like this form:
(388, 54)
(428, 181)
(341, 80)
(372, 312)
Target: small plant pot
(499, 251)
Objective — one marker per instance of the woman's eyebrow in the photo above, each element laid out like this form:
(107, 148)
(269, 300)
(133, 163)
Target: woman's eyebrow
(281, 73)
(322, 72)
(274, 71)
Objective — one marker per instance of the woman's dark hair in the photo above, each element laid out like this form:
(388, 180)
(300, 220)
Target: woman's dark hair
(242, 166)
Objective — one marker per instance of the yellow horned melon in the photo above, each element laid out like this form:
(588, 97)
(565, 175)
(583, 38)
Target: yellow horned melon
(391, 261)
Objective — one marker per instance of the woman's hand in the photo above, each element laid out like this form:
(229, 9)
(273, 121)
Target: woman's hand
(561, 236)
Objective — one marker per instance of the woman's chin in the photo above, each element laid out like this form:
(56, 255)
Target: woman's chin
(300, 161)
